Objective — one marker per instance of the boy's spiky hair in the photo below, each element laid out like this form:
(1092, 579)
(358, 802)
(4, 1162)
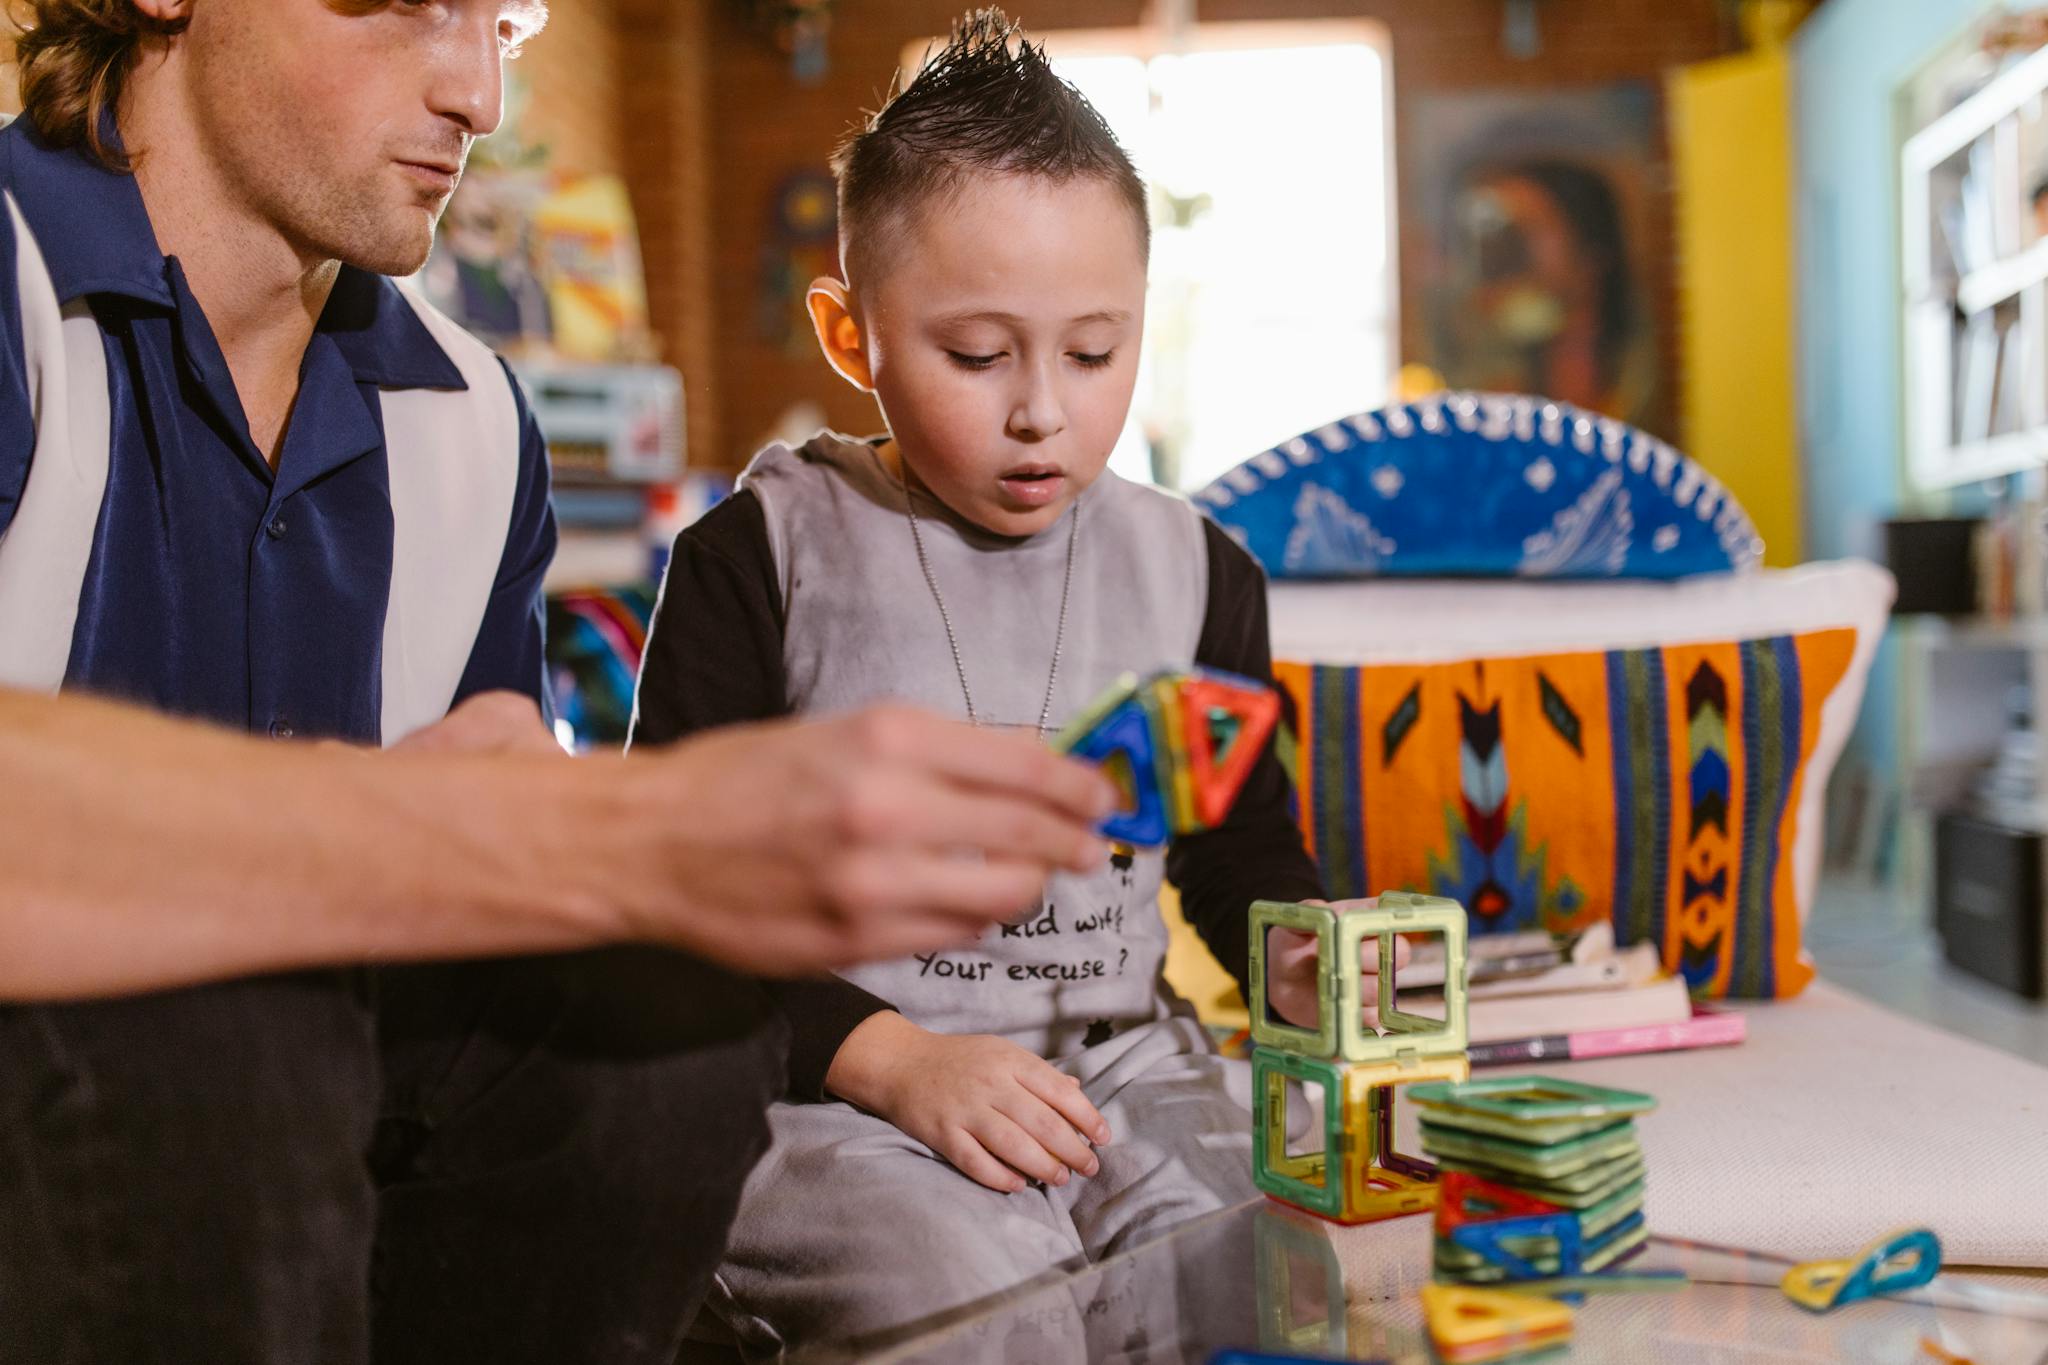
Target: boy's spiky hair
(988, 102)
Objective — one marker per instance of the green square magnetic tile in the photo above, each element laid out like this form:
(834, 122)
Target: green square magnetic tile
(1531, 1099)
(1270, 1031)
(1521, 1158)
(1401, 1034)
(1312, 1180)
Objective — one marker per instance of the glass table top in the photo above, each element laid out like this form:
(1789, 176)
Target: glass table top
(1261, 1277)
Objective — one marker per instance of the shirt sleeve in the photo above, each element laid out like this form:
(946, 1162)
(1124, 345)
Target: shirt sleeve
(714, 657)
(1257, 852)
(17, 424)
(510, 649)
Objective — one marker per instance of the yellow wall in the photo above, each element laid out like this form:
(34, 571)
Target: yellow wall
(1731, 137)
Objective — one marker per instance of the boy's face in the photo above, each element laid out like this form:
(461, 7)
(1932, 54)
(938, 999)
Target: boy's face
(1002, 337)
(346, 123)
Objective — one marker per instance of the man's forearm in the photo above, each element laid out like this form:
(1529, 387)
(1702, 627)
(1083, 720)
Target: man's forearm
(138, 853)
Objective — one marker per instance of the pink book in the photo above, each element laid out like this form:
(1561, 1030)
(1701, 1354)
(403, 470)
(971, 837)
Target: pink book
(1706, 1028)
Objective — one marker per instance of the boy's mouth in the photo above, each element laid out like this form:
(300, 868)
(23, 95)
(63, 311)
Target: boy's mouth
(1033, 484)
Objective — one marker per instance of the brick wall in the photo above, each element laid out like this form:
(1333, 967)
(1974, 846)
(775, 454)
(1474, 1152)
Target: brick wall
(765, 125)
(701, 114)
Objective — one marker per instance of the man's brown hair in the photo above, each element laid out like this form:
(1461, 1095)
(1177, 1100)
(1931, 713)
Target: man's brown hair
(73, 55)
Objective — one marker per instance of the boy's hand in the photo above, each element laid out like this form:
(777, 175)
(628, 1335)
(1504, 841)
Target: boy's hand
(1000, 1114)
(1291, 973)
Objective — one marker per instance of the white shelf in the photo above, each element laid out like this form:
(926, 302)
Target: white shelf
(1974, 290)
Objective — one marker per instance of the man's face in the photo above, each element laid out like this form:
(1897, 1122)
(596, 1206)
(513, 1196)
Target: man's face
(346, 123)
(1003, 336)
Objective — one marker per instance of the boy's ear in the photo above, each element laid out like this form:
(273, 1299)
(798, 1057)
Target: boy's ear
(838, 333)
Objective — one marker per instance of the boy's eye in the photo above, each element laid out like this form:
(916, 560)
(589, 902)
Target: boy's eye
(1093, 360)
(974, 362)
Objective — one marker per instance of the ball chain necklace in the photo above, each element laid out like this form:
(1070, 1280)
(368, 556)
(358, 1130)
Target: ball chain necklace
(931, 581)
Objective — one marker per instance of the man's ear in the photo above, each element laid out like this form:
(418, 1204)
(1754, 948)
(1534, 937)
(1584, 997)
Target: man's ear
(838, 333)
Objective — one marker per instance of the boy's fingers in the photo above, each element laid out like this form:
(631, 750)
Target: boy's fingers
(1014, 1147)
(977, 1165)
(1063, 1093)
(1050, 1130)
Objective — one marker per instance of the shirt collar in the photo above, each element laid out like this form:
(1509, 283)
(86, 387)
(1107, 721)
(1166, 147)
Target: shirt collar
(95, 236)
(89, 220)
(382, 338)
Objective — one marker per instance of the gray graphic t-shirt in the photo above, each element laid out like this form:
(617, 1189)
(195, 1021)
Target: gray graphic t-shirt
(860, 626)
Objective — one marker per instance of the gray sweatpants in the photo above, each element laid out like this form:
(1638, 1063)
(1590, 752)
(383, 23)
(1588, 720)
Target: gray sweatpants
(850, 1231)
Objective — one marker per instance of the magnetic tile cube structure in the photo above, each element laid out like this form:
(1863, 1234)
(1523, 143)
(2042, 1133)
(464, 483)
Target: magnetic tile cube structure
(1178, 744)
(1355, 1175)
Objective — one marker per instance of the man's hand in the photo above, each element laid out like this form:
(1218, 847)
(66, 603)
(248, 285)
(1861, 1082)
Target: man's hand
(487, 723)
(790, 848)
(1000, 1114)
(1291, 972)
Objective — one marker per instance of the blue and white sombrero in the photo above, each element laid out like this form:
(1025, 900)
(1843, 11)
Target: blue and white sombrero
(1482, 485)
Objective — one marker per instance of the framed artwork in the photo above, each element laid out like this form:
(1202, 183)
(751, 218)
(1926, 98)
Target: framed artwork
(1531, 216)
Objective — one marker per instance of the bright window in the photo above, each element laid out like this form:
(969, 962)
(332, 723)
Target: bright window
(1272, 306)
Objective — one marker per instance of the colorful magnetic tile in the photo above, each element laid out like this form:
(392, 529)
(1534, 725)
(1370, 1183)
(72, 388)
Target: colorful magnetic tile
(1310, 1180)
(1267, 1358)
(1455, 1263)
(1544, 1163)
(1537, 1098)
(1463, 1321)
(1161, 697)
(1226, 722)
(1097, 711)
(1905, 1260)
(1401, 1034)
(1598, 1227)
(1492, 1241)
(1542, 1131)
(1579, 1190)
(1300, 1283)
(1126, 733)
(1612, 1282)
(1268, 1029)
(1466, 1198)
(1381, 1181)
(1357, 1177)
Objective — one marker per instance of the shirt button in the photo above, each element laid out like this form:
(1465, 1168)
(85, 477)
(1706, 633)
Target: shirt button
(276, 529)
(280, 728)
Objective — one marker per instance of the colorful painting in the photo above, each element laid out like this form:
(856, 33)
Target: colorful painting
(1532, 213)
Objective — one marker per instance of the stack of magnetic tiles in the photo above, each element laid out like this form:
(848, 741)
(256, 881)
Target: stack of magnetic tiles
(1541, 1190)
(1355, 1175)
(1179, 746)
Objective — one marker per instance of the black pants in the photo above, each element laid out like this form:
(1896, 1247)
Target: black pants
(531, 1160)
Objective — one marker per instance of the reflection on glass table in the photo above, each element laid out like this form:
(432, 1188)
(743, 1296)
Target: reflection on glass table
(1261, 1277)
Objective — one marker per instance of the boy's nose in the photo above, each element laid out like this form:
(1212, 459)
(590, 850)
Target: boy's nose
(1038, 414)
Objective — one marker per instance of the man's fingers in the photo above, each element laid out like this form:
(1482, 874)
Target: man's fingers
(1063, 1093)
(931, 813)
(988, 759)
(877, 885)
